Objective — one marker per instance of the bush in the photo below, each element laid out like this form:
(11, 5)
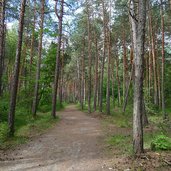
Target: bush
(161, 142)
(3, 132)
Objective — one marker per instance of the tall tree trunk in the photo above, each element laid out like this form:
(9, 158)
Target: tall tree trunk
(61, 77)
(108, 74)
(33, 37)
(11, 114)
(83, 76)
(89, 58)
(150, 62)
(118, 80)
(2, 40)
(96, 74)
(79, 79)
(36, 89)
(21, 82)
(138, 30)
(163, 62)
(125, 79)
(59, 14)
(103, 59)
(153, 57)
(113, 81)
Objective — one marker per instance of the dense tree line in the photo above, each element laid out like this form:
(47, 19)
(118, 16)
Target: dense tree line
(108, 54)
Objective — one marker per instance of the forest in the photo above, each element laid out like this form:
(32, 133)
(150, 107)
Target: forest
(88, 59)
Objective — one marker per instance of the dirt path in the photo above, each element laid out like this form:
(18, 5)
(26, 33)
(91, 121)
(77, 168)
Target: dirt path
(75, 143)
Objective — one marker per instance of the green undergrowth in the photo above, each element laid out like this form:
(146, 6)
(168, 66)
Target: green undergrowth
(120, 140)
(121, 144)
(116, 117)
(26, 126)
(85, 108)
(157, 134)
(161, 142)
(120, 119)
(48, 107)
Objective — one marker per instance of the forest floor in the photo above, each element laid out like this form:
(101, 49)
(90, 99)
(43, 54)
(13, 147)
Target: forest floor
(78, 143)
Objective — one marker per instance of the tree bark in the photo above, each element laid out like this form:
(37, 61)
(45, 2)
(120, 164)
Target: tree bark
(57, 66)
(138, 30)
(103, 59)
(96, 74)
(89, 58)
(154, 58)
(61, 77)
(125, 67)
(113, 81)
(150, 63)
(108, 74)
(11, 114)
(2, 40)
(83, 76)
(163, 62)
(33, 37)
(36, 89)
(118, 80)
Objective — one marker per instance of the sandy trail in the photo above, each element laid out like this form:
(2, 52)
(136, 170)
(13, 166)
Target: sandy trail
(75, 143)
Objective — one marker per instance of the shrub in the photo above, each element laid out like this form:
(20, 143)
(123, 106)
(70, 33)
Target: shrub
(3, 131)
(161, 142)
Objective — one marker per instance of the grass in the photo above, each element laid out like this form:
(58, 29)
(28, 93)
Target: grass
(29, 128)
(85, 109)
(42, 122)
(26, 126)
(119, 120)
(124, 120)
(121, 143)
(159, 128)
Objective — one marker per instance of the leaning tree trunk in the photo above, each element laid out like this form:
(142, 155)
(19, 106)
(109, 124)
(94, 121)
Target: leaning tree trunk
(2, 39)
(36, 89)
(57, 66)
(138, 30)
(11, 115)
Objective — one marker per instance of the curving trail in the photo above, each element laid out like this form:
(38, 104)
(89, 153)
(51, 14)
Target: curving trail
(74, 144)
